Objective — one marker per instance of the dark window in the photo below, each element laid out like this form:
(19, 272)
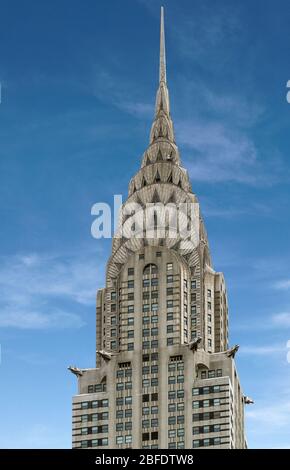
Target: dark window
(130, 271)
(145, 436)
(145, 398)
(154, 396)
(154, 436)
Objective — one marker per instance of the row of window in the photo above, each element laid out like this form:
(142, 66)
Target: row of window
(146, 436)
(147, 382)
(146, 369)
(146, 410)
(146, 397)
(172, 379)
(123, 386)
(95, 443)
(95, 430)
(206, 403)
(173, 394)
(95, 417)
(173, 366)
(146, 344)
(172, 407)
(94, 404)
(211, 374)
(146, 320)
(146, 423)
(121, 426)
(124, 439)
(120, 401)
(123, 373)
(153, 356)
(206, 442)
(97, 388)
(172, 433)
(124, 413)
(206, 429)
(173, 420)
(206, 390)
(206, 416)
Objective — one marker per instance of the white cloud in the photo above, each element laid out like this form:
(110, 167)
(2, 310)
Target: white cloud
(35, 287)
(282, 285)
(281, 319)
(262, 350)
(269, 414)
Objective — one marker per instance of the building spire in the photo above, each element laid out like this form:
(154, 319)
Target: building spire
(162, 127)
(162, 63)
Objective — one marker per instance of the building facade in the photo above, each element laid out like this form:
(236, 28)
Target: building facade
(165, 376)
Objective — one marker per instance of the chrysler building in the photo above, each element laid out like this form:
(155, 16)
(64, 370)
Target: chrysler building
(165, 375)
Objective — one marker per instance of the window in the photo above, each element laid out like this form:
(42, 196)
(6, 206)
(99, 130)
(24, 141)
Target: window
(130, 295)
(119, 427)
(145, 357)
(171, 395)
(169, 266)
(169, 303)
(216, 388)
(113, 308)
(171, 407)
(154, 356)
(208, 292)
(211, 374)
(128, 425)
(154, 344)
(145, 370)
(206, 442)
(209, 330)
(169, 278)
(146, 320)
(180, 432)
(216, 441)
(206, 403)
(154, 396)
(154, 319)
(119, 414)
(154, 369)
(154, 281)
(169, 291)
(205, 390)
(154, 410)
(119, 440)
(145, 397)
(209, 342)
(119, 401)
(154, 436)
(203, 374)
(113, 295)
(120, 373)
(146, 344)
(172, 420)
(113, 332)
(169, 328)
(145, 423)
(130, 271)
(130, 333)
(216, 402)
(130, 308)
(154, 294)
(128, 385)
(158, 254)
(195, 430)
(193, 284)
(219, 373)
(169, 341)
(146, 308)
(180, 393)
(180, 419)
(206, 429)
(130, 321)
(209, 318)
(128, 400)
(154, 331)
(195, 391)
(180, 406)
(216, 428)
(154, 307)
(171, 433)
(209, 305)
(154, 422)
(193, 322)
(128, 413)
(145, 383)
(154, 382)
(193, 309)
(146, 332)
(145, 436)
(145, 410)
(113, 320)
(130, 347)
(113, 344)
(195, 444)
(141, 256)
(180, 379)
(195, 404)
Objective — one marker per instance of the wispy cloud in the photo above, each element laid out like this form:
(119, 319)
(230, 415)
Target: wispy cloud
(283, 284)
(281, 319)
(120, 94)
(263, 350)
(33, 284)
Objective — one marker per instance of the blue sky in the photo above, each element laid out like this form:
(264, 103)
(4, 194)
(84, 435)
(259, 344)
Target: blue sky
(78, 88)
